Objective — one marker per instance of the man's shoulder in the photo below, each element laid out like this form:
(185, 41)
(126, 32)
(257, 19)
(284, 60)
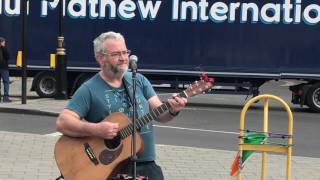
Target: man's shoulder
(90, 84)
(94, 79)
(128, 76)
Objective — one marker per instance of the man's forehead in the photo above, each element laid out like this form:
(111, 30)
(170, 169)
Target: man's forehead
(114, 43)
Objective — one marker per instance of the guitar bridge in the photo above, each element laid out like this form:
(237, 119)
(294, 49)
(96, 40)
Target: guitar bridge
(90, 154)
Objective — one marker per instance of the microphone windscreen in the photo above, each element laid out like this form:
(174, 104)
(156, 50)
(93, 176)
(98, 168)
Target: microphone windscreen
(133, 59)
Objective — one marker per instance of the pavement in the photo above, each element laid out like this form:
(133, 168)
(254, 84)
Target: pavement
(30, 156)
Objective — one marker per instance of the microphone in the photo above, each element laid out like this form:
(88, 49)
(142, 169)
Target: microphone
(133, 59)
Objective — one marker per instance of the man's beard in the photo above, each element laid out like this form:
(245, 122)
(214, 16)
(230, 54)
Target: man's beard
(114, 70)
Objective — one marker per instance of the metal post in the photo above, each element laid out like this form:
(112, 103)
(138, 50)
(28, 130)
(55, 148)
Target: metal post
(24, 52)
(60, 71)
(265, 130)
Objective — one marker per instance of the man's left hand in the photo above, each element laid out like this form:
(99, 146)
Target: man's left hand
(177, 103)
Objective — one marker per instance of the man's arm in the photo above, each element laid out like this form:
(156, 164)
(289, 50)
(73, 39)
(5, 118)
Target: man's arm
(176, 103)
(69, 123)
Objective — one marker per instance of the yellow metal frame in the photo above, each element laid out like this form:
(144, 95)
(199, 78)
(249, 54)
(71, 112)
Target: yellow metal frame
(267, 148)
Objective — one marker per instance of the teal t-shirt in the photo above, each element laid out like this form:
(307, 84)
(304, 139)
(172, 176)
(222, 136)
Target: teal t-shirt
(96, 99)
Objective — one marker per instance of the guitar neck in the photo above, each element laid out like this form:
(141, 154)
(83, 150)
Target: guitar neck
(154, 114)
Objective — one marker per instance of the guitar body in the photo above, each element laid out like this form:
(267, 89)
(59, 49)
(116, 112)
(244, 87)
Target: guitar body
(94, 158)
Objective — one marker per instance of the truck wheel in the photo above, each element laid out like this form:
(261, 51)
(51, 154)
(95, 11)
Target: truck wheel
(313, 97)
(45, 85)
(83, 79)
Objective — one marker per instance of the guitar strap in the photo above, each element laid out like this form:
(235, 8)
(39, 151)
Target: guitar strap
(130, 95)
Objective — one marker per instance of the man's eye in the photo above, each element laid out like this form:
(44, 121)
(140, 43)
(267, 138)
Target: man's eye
(115, 54)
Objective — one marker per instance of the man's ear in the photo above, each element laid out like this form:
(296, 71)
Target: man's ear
(100, 59)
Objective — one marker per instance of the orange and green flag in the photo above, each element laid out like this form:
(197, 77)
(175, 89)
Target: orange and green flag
(241, 158)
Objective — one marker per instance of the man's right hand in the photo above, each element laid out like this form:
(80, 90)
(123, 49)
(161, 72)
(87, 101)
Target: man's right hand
(69, 123)
(107, 130)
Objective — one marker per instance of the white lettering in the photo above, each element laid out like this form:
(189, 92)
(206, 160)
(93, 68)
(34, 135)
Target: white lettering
(148, 10)
(203, 4)
(77, 9)
(232, 14)
(45, 5)
(275, 11)
(306, 14)
(112, 9)
(193, 10)
(218, 12)
(126, 9)
(287, 7)
(175, 10)
(9, 11)
(297, 12)
(287, 12)
(93, 7)
(245, 8)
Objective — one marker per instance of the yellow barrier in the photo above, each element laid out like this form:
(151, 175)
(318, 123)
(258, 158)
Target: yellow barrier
(19, 59)
(53, 61)
(264, 148)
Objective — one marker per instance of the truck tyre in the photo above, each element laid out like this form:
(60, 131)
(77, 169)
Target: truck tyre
(80, 79)
(83, 79)
(313, 97)
(45, 85)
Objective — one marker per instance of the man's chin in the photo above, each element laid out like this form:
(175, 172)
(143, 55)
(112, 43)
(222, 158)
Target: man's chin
(123, 70)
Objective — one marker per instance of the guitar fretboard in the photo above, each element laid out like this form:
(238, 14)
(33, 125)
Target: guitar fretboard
(154, 114)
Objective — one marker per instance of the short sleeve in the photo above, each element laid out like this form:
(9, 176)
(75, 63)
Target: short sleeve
(147, 88)
(80, 101)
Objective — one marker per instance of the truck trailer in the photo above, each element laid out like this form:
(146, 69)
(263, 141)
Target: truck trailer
(243, 44)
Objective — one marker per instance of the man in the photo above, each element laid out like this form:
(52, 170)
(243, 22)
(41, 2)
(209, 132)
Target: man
(4, 70)
(106, 93)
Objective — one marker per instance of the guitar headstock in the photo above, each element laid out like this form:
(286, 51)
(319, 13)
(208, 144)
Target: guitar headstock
(198, 87)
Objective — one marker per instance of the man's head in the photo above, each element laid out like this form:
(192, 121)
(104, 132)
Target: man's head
(111, 53)
(2, 41)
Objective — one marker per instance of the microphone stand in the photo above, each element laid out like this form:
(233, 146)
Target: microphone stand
(134, 153)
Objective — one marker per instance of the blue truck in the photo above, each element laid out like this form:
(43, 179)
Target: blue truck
(243, 44)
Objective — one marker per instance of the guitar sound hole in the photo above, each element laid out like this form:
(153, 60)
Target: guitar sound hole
(112, 143)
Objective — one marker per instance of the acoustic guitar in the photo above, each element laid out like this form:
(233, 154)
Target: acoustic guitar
(94, 158)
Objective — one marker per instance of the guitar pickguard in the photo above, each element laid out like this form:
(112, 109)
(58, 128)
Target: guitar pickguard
(107, 156)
